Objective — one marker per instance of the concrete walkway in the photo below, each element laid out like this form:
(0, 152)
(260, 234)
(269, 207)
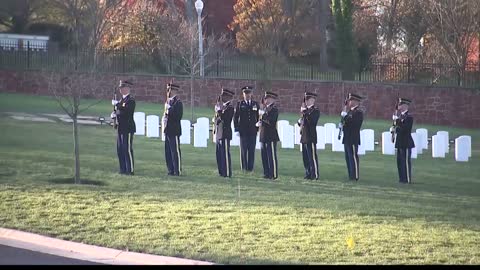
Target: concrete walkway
(66, 249)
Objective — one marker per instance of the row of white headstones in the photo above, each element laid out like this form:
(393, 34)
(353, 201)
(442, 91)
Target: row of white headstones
(327, 134)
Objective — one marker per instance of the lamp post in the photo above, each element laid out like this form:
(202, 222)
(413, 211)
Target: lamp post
(199, 8)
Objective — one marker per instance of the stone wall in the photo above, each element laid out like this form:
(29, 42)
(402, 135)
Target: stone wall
(433, 105)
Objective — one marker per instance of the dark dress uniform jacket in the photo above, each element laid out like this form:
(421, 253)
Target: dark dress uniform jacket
(225, 116)
(125, 110)
(246, 117)
(175, 114)
(308, 128)
(351, 128)
(268, 129)
(404, 132)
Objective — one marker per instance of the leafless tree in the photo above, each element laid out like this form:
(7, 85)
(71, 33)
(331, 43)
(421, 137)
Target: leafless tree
(182, 39)
(89, 20)
(68, 89)
(454, 24)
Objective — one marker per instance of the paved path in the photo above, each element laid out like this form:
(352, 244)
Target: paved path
(37, 248)
(18, 256)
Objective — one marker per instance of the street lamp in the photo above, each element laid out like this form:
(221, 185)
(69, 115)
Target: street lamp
(199, 8)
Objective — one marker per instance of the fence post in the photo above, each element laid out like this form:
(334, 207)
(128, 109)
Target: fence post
(123, 59)
(218, 64)
(408, 70)
(28, 54)
(170, 61)
(311, 70)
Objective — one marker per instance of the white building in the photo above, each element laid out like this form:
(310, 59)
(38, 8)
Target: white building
(22, 42)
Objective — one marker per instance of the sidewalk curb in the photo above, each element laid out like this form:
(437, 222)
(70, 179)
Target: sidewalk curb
(73, 250)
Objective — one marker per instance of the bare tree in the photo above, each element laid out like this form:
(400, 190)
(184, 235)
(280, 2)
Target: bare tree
(89, 20)
(68, 89)
(181, 38)
(455, 24)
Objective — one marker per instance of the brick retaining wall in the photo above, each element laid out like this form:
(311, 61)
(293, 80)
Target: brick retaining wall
(433, 105)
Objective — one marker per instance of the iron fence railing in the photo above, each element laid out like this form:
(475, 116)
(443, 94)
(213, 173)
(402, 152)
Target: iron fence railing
(34, 57)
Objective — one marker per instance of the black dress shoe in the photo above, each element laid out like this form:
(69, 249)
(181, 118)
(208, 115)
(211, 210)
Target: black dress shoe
(266, 177)
(307, 177)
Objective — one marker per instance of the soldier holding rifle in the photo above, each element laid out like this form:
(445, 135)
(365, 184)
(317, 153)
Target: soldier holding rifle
(353, 119)
(173, 130)
(223, 132)
(308, 135)
(269, 136)
(122, 116)
(404, 142)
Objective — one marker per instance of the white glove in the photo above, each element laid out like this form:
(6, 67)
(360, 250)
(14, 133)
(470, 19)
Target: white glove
(113, 115)
(261, 112)
(217, 108)
(392, 129)
(114, 102)
(394, 117)
(167, 106)
(258, 124)
(303, 109)
(340, 126)
(343, 114)
(237, 134)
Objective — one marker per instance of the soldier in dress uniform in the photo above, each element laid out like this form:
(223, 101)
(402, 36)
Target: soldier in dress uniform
(123, 113)
(173, 130)
(308, 135)
(269, 136)
(245, 118)
(352, 123)
(404, 142)
(224, 111)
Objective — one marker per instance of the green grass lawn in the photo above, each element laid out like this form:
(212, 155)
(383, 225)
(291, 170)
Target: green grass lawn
(244, 220)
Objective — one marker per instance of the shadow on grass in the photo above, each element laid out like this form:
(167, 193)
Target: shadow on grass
(70, 181)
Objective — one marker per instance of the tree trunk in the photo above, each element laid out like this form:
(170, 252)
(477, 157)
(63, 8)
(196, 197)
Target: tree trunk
(191, 96)
(76, 150)
(322, 27)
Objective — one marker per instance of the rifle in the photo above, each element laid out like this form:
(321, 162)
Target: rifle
(115, 121)
(342, 119)
(165, 115)
(394, 124)
(218, 124)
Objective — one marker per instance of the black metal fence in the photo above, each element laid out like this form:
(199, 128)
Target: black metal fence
(34, 57)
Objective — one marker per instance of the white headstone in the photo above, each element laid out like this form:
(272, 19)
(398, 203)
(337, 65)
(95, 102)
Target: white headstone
(235, 139)
(422, 134)
(416, 148)
(329, 130)
(280, 126)
(288, 140)
(139, 119)
(153, 126)
(469, 144)
(368, 139)
(438, 146)
(361, 148)
(321, 137)
(258, 145)
(199, 138)
(446, 139)
(337, 145)
(462, 145)
(186, 137)
(297, 134)
(388, 147)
